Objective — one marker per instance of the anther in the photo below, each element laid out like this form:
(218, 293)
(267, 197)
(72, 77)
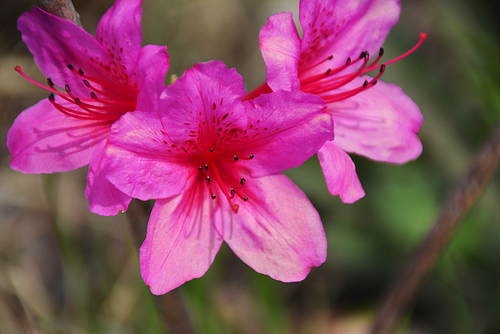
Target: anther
(382, 68)
(86, 82)
(213, 196)
(235, 158)
(245, 198)
(206, 167)
(363, 54)
(232, 192)
(242, 181)
(328, 71)
(330, 58)
(365, 83)
(251, 156)
(80, 71)
(211, 149)
(77, 101)
(348, 61)
(52, 98)
(92, 94)
(200, 168)
(208, 179)
(50, 83)
(70, 67)
(381, 52)
(66, 88)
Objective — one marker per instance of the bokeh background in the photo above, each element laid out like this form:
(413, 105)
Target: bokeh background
(66, 270)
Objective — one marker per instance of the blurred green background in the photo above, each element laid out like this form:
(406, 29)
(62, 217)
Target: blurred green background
(66, 270)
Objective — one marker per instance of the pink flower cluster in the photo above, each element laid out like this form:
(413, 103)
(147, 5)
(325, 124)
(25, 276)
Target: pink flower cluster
(209, 153)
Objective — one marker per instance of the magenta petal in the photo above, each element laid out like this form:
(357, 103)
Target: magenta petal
(343, 29)
(285, 129)
(181, 241)
(44, 140)
(152, 66)
(56, 42)
(277, 231)
(139, 162)
(380, 123)
(119, 31)
(340, 173)
(280, 46)
(206, 94)
(104, 198)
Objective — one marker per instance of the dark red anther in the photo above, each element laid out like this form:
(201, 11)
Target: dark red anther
(52, 98)
(328, 71)
(251, 156)
(200, 168)
(70, 67)
(80, 71)
(348, 61)
(235, 158)
(330, 57)
(208, 179)
(232, 192)
(381, 52)
(92, 94)
(242, 181)
(364, 54)
(50, 83)
(365, 83)
(213, 196)
(245, 198)
(206, 167)
(211, 149)
(77, 101)
(66, 88)
(87, 83)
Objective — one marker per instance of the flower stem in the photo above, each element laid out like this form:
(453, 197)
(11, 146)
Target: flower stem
(418, 268)
(61, 8)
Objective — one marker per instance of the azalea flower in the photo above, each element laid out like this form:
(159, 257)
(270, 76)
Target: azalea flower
(92, 83)
(372, 118)
(214, 162)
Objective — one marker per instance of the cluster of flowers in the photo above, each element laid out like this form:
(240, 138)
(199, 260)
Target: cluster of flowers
(208, 152)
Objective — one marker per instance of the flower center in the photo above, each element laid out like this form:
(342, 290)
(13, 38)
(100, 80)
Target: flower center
(230, 185)
(106, 102)
(324, 83)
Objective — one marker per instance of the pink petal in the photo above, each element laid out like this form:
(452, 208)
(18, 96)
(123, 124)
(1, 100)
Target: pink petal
(181, 241)
(280, 46)
(277, 231)
(119, 31)
(152, 66)
(343, 29)
(104, 198)
(44, 140)
(380, 123)
(55, 43)
(204, 96)
(340, 173)
(140, 163)
(285, 129)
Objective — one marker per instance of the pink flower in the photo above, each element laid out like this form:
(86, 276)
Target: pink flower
(214, 163)
(377, 121)
(100, 79)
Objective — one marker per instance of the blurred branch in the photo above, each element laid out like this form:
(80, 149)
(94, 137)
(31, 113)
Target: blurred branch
(170, 305)
(61, 8)
(418, 268)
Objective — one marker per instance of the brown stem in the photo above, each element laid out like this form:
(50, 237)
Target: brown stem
(170, 305)
(462, 199)
(61, 8)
